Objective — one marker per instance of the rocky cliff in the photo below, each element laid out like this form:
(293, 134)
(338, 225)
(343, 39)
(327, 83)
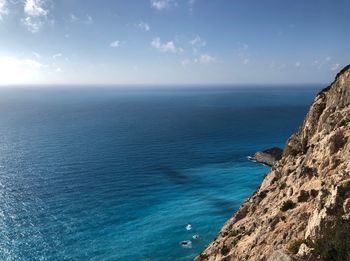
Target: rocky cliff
(302, 209)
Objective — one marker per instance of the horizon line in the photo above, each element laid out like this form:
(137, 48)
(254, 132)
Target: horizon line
(161, 85)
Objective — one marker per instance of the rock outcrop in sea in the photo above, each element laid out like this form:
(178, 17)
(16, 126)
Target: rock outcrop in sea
(302, 209)
(268, 157)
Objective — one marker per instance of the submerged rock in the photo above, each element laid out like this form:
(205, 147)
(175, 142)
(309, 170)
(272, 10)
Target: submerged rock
(186, 244)
(267, 157)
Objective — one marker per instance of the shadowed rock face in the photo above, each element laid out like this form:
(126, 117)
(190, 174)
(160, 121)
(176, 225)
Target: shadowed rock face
(267, 157)
(301, 210)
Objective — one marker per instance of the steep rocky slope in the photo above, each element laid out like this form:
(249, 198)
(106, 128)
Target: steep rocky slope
(302, 209)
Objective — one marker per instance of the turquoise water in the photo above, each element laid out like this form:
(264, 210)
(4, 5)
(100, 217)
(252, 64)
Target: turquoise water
(116, 174)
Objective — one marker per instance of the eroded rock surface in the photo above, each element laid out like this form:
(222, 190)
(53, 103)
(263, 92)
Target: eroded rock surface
(301, 210)
(268, 157)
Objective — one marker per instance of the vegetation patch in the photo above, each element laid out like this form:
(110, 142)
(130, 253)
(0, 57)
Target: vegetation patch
(313, 193)
(293, 247)
(283, 186)
(225, 250)
(303, 196)
(263, 194)
(335, 241)
(344, 122)
(337, 141)
(335, 244)
(204, 256)
(344, 190)
(274, 180)
(292, 151)
(307, 171)
(304, 143)
(287, 205)
(319, 108)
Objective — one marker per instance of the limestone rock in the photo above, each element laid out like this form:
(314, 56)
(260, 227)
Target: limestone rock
(346, 206)
(304, 251)
(279, 256)
(313, 174)
(268, 157)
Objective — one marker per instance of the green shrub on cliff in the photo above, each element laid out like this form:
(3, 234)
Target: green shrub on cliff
(335, 244)
(295, 245)
(287, 205)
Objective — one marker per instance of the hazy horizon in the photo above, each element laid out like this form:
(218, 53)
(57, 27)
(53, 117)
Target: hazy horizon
(161, 86)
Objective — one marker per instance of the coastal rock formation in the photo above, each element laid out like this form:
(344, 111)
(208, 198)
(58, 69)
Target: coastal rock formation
(302, 209)
(267, 157)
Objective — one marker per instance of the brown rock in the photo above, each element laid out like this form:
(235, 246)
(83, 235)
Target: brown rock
(346, 206)
(268, 157)
(313, 174)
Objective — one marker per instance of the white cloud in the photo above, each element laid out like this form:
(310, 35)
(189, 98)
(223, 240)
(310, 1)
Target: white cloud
(115, 44)
(58, 69)
(35, 8)
(57, 55)
(144, 26)
(245, 61)
(191, 4)
(168, 47)
(297, 64)
(33, 25)
(89, 19)
(36, 55)
(335, 67)
(3, 8)
(35, 14)
(205, 59)
(322, 62)
(163, 4)
(195, 51)
(243, 47)
(24, 62)
(185, 62)
(243, 54)
(14, 70)
(197, 41)
(73, 18)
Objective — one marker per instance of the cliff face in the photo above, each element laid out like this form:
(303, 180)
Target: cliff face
(302, 209)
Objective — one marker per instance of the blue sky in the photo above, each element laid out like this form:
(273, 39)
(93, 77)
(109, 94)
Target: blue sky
(172, 41)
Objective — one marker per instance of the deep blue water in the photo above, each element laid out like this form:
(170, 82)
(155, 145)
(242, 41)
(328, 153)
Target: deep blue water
(116, 174)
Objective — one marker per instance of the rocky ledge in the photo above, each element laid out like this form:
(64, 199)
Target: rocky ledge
(268, 157)
(302, 209)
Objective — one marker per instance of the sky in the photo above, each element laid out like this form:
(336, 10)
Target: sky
(172, 42)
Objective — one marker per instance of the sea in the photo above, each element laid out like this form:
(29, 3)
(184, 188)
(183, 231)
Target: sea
(130, 172)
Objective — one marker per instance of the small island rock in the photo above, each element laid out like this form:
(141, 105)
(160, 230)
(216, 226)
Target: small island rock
(267, 157)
